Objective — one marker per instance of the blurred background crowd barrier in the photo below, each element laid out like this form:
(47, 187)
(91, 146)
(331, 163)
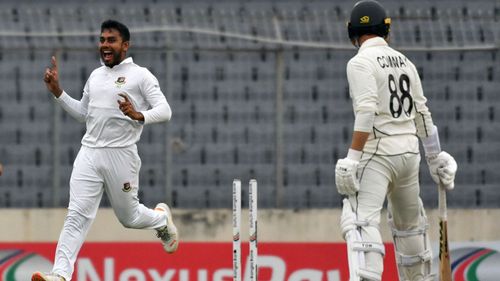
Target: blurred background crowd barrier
(257, 88)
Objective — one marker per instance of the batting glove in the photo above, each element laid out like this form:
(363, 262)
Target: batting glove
(345, 176)
(443, 168)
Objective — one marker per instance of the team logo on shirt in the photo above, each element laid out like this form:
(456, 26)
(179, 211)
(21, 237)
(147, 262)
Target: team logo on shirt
(365, 19)
(120, 81)
(126, 187)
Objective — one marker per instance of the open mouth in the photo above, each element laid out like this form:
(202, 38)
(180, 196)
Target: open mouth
(107, 55)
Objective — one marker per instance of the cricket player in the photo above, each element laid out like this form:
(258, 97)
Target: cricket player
(383, 160)
(119, 98)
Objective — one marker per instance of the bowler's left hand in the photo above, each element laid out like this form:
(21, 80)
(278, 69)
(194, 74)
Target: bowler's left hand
(128, 109)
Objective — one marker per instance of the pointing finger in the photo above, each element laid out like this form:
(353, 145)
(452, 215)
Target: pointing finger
(54, 63)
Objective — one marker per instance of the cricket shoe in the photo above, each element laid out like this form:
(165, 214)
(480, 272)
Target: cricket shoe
(168, 234)
(39, 276)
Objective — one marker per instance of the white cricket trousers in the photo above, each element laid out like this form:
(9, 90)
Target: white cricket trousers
(115, 170)
(397, 178)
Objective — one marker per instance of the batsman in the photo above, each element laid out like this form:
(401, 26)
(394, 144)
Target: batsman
(383, 160)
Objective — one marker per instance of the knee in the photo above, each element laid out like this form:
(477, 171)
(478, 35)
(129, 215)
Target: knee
(75, 220)
(129, 220)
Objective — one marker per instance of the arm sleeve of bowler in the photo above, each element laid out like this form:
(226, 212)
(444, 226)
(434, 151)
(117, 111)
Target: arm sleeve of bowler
(160, 109)
(76, 108)
(363, 89)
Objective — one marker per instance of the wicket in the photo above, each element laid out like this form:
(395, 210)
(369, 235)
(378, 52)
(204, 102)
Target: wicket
(252, 214)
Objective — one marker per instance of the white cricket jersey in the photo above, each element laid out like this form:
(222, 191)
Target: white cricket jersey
(384, 82)
(106, 124)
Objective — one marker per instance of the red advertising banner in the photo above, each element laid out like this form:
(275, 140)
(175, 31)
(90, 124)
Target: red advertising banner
(192, 262)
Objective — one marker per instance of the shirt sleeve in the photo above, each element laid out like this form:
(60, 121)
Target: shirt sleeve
(423, 119)
(363, 91)
(76, 108)
(160, 109)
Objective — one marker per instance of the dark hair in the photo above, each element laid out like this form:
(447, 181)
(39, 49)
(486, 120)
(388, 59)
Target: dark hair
(122, 29)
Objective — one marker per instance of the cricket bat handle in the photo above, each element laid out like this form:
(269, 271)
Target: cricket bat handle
(444, 251)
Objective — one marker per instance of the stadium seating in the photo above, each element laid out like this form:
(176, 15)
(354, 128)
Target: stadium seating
(222, 89)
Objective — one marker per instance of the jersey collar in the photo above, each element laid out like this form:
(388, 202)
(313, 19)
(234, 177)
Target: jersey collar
(375, 41)
(125, 61)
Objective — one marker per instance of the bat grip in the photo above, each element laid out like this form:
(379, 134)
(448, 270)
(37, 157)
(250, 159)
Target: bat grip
(442, 202)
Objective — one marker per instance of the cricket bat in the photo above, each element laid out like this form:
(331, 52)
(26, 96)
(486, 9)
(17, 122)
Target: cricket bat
(444, 251)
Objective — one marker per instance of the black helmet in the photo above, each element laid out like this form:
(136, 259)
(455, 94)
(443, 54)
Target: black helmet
(368, 17)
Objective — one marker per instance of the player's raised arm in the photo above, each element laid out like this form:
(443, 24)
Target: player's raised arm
(51, 78)
(76, 108)
(160, 110)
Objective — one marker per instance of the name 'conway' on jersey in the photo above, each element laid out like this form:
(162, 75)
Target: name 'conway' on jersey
(385, 82)
(106, 124)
